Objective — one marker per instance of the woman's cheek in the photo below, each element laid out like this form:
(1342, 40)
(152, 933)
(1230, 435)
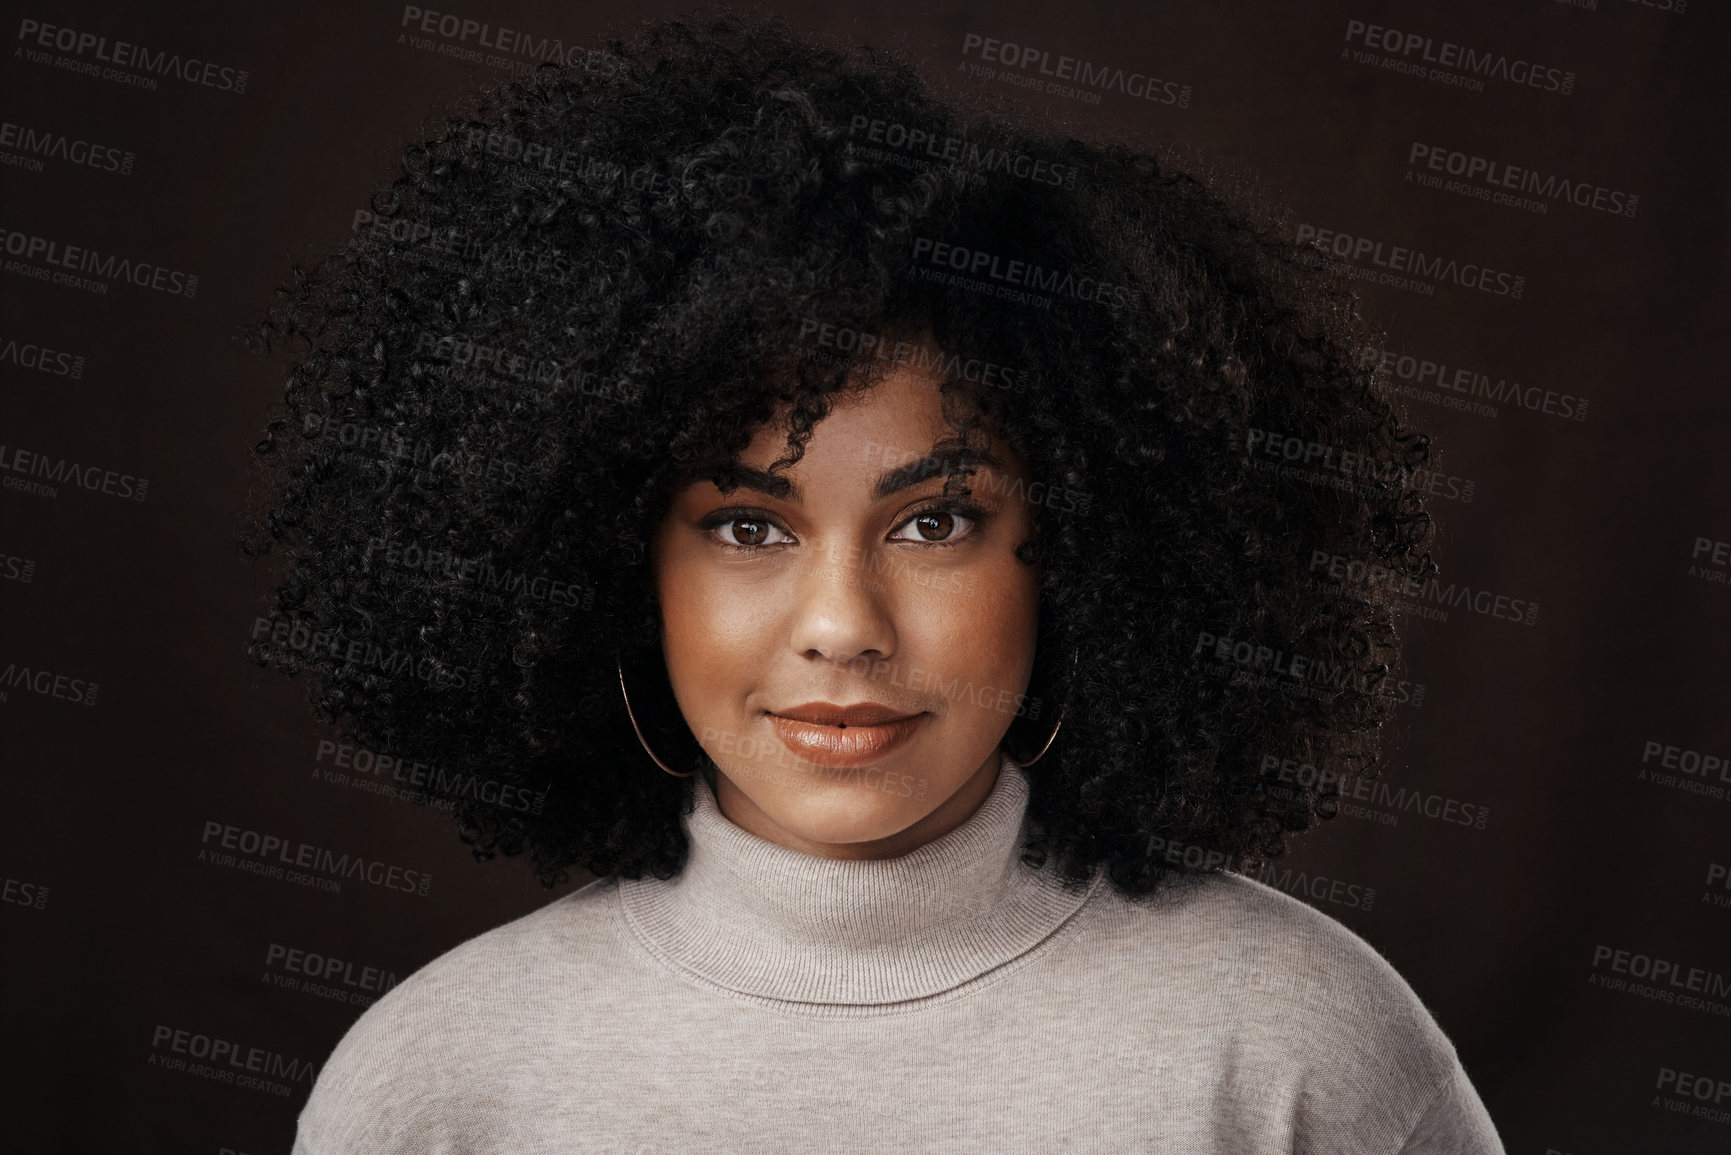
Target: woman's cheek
(982, 647)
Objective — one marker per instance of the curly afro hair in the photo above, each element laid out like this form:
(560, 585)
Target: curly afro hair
(590, 282)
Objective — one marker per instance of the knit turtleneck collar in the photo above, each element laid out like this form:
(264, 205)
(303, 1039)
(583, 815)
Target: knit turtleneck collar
(761, 919)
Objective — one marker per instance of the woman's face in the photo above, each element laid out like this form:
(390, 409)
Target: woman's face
(862, 586)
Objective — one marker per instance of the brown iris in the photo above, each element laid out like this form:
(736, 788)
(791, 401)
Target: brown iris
(755, 535)
(946, 522)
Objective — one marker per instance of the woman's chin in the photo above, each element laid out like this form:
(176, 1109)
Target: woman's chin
(834, 812)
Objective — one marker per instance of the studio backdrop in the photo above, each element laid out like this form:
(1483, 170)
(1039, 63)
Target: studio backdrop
(1531, 198)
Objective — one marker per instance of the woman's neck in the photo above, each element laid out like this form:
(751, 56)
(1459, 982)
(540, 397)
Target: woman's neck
(756, 918)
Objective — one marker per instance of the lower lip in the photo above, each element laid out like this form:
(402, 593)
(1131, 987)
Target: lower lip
(843, 745)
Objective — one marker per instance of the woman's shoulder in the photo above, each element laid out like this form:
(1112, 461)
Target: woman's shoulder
(1291, 1007)
(444, 1022)
(1230, 930)
(1238, 952)
(507, 963)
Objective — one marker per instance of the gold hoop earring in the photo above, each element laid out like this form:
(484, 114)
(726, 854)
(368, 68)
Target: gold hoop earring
(638, 730)
(1062, 710)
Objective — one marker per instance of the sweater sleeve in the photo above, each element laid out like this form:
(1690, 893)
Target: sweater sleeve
(1456, 1123)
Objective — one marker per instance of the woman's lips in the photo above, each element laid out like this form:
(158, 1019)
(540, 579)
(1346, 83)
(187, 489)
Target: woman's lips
(850, 745)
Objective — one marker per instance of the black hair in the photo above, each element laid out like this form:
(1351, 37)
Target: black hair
(602, 277)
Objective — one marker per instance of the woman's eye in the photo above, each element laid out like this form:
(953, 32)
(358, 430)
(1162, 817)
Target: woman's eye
(936, 525)
(751, 531)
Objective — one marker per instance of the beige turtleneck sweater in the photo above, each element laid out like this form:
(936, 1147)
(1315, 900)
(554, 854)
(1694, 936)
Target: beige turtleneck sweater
(950, 1000)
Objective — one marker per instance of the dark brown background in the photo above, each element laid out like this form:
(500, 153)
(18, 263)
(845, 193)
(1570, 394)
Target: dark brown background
(1544, 725)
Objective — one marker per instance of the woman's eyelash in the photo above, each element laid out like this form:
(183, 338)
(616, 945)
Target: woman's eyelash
(975, 514)
(956, 506)
(727, 516)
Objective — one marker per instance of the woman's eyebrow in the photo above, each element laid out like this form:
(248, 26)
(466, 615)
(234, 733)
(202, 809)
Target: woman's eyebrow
(941, 461)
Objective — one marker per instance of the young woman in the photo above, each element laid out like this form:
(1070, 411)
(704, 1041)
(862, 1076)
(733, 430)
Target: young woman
(867, 538)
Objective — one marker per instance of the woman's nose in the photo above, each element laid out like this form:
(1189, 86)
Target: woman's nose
(842, 610)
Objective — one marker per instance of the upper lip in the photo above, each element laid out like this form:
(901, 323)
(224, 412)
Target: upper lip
(829, 714)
